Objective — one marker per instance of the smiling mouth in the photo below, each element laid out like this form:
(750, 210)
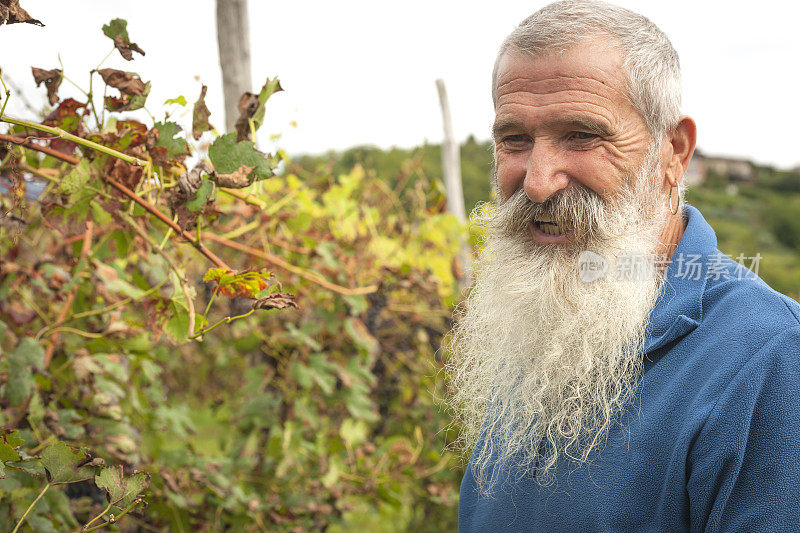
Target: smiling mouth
(551, 227)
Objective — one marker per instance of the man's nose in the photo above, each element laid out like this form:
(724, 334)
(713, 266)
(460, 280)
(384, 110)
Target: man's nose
(546, 172)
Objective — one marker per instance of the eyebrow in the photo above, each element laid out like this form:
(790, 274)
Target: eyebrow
(505, 125)
(587, 124)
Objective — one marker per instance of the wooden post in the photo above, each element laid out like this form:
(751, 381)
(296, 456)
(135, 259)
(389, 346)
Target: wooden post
(451, 168)
(451, 159)
(233, 40)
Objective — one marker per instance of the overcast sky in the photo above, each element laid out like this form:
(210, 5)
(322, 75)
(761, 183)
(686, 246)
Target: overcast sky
(363, 72)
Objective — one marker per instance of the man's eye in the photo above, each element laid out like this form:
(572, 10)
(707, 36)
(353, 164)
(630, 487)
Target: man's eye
(583, 135)
(515, 141)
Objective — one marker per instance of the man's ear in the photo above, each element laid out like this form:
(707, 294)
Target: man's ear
(682, 141)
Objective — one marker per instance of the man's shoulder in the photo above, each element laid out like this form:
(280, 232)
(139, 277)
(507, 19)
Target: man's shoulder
(749, 317)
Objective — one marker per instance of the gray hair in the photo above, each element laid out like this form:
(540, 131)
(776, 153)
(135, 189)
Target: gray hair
(650, 61)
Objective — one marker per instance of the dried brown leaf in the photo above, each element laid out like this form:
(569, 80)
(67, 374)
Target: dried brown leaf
(11, 13)
(200, 115)
(127, 82)
(248, 105)
(51, 79)
(190, 181)
(276, 301)
(127, 174)
(235, 180)
(126, 49)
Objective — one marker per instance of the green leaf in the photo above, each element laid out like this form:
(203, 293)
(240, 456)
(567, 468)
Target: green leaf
(28, 355)
(167, 132)
(137, 101)
(216, 274)
(101, 217)
(201, 196)
(177, 327)
(271, 87)
(122, 491)
(32, 467)
(180, 100)
(64, 464)
(227, 155)
(117, 27)
(9, 442)
(77, 178)
(117, 31)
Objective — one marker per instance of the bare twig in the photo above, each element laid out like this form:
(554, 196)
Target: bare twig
(28, 143)
(166, 220)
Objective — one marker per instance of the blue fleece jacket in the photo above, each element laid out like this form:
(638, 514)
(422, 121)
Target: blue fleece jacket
(712, 442)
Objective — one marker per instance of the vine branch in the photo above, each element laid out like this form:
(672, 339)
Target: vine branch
(181, 277)
(125, 191)
(31, 506)
(282, 263)
(58, 132)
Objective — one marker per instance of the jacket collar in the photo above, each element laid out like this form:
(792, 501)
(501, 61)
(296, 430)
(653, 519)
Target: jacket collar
(679, 308)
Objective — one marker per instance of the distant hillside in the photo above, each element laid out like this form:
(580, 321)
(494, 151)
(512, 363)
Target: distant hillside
(392, 165)
(757, 216)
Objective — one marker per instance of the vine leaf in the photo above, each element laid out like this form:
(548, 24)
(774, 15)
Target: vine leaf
(167, 131)
(51, 79)
(201, 196)
(121, 491)
(246, 284)
(235, 180)
(9, 442)
(127, 82)
(64, 464)
(21, 361)
(275, 301)
(252, 107)
(132, 89)
(11, 13)
(67, 117)
(180, 100)
(77, 178)
(117, 30)
(200, 115)
(228, 156)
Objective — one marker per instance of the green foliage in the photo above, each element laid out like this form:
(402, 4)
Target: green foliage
(20, 364)
(303, 401)
(180, 100)
(121, 490)
(64, 464)
(270, 87)
(201, 196)
(167, 137)
(117, 27)
(401, 168)
(228, 156)
(755, 219)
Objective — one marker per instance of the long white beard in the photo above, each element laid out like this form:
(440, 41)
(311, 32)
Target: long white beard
(542, 363)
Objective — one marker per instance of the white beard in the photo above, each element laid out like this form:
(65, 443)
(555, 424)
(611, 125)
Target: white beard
(553, 359)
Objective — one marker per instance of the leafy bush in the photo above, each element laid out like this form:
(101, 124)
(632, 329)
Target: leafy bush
(149, 352)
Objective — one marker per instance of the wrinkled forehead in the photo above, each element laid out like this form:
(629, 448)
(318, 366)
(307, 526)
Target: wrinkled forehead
(590, 59)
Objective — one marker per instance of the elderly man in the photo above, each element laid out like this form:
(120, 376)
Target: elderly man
(612, 369)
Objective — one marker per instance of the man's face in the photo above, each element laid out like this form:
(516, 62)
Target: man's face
(563, 121)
